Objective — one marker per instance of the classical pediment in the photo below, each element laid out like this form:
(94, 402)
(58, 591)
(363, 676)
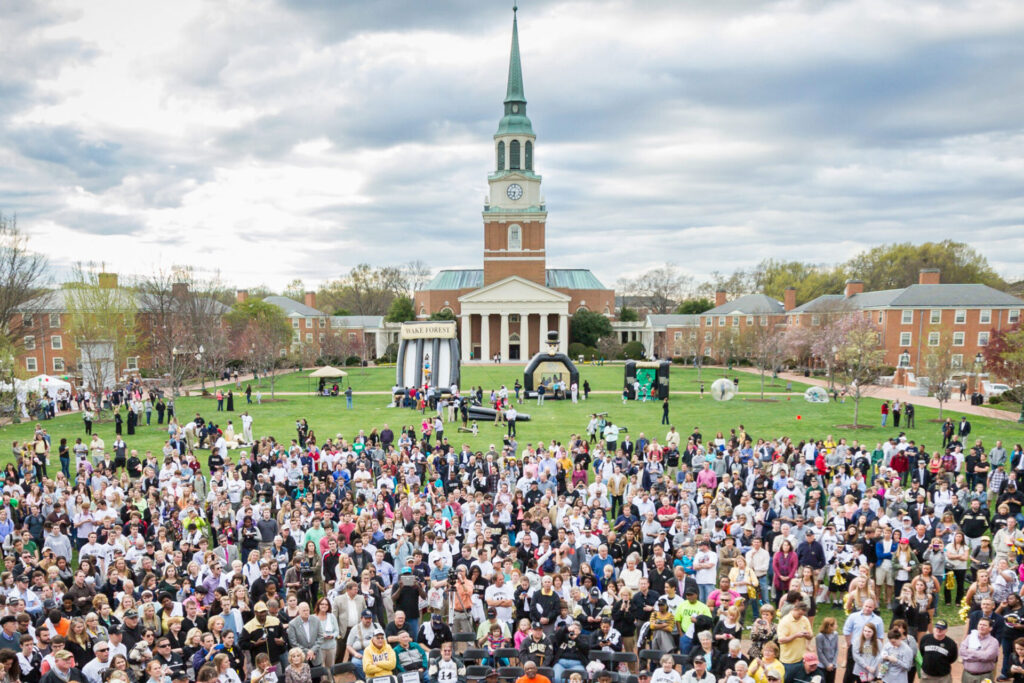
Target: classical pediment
(514, 289)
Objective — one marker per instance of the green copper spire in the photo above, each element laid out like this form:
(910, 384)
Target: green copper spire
(515, 68)
(515, 119)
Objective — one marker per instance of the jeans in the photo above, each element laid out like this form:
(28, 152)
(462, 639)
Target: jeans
(65, 467)
(764, 590)
(562, 665)
(684, 644)
(705, 590)
(884, 418)
(348, 402)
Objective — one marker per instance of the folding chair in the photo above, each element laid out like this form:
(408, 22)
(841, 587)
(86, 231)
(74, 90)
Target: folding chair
(511, 673)
(603, 657)
(476, 673)
(628, 658)
(318, 672)
(652, 656)
(509, 653)
(465, 637)
(475, 655)
(682, 660)
(549, 672)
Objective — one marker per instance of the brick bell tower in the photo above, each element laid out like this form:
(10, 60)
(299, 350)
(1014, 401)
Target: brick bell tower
(514, 214)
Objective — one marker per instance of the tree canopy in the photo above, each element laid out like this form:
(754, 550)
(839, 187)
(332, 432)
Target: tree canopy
(587, 327)
(401, 310)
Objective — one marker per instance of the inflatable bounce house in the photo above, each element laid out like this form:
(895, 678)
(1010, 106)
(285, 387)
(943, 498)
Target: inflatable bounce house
(551, 369)
(647, 380)
(428, 356)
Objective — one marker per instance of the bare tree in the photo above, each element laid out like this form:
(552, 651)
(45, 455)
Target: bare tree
(690, 346)
(765, 345)
(104, 324)
(664, 287)
(418, 274)
(22, 278)
(726, 346)
(261, 333)
(939, 363)
(860, 358)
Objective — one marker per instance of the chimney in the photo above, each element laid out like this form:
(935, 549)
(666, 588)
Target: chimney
(719, 298)
(928, 276)
(789, 299)
(179, 290)
(311, 299)
(107, 280)
(854, 287)
(241, 295)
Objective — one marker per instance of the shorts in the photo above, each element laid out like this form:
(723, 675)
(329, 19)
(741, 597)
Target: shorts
(884, 576)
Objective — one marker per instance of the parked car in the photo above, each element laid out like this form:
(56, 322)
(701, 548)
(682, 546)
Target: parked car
(994, 389)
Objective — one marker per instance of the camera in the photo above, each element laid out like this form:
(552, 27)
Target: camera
(452, 577)
(306, 571)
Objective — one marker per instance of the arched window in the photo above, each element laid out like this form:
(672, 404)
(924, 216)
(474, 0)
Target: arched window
(501, 155)
(513, 155)
(582, 308)
(515, 238)
(513, 338)
(529, 156)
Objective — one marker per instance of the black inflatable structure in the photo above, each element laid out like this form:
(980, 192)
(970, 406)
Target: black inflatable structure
(653, 374)
(428, 355)
(548, 367)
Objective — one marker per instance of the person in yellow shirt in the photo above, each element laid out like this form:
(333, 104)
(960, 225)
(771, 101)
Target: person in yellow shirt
(379, 658)
(795, 633)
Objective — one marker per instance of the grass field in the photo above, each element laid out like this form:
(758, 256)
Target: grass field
(601, 378)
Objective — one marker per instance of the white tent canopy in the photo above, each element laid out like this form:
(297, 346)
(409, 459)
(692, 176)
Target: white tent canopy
(328, 371)
(47, 384)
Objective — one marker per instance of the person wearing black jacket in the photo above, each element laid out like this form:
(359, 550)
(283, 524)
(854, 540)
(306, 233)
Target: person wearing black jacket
(974, 523)
(64, 670)
(545, 607)
(572, 649)
(643, 602)
(537, 647)
(810, 553)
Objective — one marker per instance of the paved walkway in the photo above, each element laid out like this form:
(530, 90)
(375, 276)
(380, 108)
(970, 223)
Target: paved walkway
(952, 408)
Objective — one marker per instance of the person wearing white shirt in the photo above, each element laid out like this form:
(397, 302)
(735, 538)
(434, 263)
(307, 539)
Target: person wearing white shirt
(499, 595)
(666, 673)
(705, 563)
(93, 671)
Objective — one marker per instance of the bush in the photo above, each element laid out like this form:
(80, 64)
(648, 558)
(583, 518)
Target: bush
(353, 360)
(995, 400)
(633, 350)
(576, 349)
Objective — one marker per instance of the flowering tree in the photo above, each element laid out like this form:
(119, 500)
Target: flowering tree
(859, 356)
(1004, 357)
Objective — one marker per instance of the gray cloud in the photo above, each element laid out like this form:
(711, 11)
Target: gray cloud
(315, 135)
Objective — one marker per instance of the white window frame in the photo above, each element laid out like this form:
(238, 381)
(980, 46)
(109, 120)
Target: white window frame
(935, 316)
(27, 320)
(131, 363)
(295, 323)
(321, 338)
(934, 338)
(721, 321)
(515, 237)
(56, 342)
(750, 321)
(707, 336)
(735, 321)
(54, 320)
(707, 321)
(984, 337)
(985, 316)
(29, 342)
(58, 364)
(763, 320)
(351, 337)
(309, 337)
(323, 322)
(907, 316)
(959, 338)
(815, 320)
(31, 364)
(957, 360)
(908, 337)
(677, 336)
(1013, 316)
(960, 316)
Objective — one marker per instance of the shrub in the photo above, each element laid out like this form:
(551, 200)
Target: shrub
(633, 350)
(995, 400)
(353, 360)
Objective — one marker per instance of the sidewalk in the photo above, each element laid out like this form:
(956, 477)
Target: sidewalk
(952, 408)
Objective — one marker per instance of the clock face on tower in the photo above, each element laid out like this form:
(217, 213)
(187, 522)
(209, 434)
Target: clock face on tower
(514, 191)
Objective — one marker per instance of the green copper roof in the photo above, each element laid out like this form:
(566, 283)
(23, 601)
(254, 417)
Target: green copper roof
(515, 120)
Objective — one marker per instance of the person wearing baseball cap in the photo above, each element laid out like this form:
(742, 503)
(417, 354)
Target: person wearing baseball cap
(698, 674)
(64, 670)
(938, 652)
(379, 658)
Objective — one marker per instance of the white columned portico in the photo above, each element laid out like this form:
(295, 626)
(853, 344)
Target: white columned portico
(467, 336)
(485, 336)
(524, 336)
(504, 337)
(563, 333)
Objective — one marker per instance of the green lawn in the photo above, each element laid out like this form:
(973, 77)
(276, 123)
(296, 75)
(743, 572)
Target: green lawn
(554, 420)
(601, 378)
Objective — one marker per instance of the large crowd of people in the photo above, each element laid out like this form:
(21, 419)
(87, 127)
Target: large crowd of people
(383, 552)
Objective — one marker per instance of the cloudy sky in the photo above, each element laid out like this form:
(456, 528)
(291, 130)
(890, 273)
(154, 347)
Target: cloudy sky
(273, 139)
